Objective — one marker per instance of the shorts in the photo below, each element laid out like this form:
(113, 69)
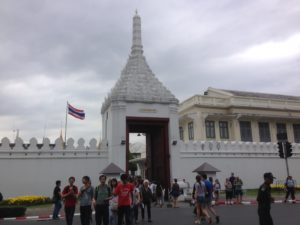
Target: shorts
(228, 195)
(201, 201)
(208, 201)
(239, 192)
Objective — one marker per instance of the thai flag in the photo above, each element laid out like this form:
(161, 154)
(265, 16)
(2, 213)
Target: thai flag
(77, 113)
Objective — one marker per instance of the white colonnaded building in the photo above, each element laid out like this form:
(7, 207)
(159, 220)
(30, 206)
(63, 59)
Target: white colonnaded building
(230, 130)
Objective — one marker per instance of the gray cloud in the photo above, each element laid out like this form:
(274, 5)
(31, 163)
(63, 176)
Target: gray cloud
(54, 51)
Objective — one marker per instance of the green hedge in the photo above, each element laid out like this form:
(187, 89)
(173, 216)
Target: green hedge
(12, 211)
(26, 200)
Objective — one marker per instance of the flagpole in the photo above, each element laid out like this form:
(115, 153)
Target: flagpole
(66, 123)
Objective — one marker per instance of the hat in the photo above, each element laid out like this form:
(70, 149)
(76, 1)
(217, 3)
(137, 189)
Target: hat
(269, 175)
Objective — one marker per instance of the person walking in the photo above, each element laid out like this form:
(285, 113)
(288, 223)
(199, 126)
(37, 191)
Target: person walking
(159, 195)
(56, 200)
(289, 185)
(199, 195)
(238, 183)
(86, 195)
(175, 192)
(136, 200)
(228, 192)
(217, 189)
(124, 192)
(209, 197)
(146, 199)
(264, 200)
(232, 181)
(113, 204)
(69, 195)
(101, 201)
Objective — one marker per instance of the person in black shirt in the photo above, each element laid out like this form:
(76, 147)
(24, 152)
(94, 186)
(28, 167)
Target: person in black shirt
(56, 200)
(146, 198)
(264, 200)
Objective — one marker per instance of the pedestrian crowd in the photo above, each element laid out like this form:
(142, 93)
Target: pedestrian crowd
(119, 202)
(114, 202)
(202, 195)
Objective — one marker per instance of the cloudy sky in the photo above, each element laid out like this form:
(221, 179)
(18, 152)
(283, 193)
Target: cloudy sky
(54, 51)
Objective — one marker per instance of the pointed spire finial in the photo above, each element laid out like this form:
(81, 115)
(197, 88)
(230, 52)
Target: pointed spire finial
(137, 47)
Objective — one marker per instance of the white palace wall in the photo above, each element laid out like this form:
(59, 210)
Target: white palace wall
(34, 168)
(248, 160)
(31, 170)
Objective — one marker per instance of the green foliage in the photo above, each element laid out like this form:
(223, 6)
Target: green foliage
(26, 200)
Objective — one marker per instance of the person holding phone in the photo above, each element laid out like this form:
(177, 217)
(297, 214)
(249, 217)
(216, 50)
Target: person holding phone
(86, 197)
(69, 196)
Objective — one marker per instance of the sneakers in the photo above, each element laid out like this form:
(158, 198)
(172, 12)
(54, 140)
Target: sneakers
(217, 219)
(209, 220)
(197, 222)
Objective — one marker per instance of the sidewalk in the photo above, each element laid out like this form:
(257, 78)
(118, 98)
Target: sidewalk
(45, 213)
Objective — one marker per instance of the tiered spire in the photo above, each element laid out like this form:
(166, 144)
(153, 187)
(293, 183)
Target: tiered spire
(137, 82)
(137, 47)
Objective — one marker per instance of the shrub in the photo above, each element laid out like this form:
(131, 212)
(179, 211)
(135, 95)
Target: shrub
(26, 200)
(12, 211)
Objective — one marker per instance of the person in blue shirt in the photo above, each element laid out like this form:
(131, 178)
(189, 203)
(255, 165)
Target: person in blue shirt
(209, 197)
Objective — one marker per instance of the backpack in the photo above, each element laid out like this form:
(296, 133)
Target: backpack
(176, 189)
(97, 189)
(200, 189)
(159, 190)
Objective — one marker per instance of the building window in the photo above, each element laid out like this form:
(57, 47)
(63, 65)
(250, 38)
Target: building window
(264, 132)
(223, 125)
(210, 129)
(181, 134)
(246, 132)
(296, 128)
(281, 128)
(191, 130)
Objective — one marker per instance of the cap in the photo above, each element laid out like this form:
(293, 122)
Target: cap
(269, 175)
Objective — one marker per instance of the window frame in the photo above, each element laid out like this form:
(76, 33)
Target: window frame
(191, 131)
(181, 133)
(246, 137)
(264, 132)
(224, 129)
(296, 139)
(282, 129)
(210, 129)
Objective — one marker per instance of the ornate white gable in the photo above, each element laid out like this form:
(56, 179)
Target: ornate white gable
(137, 82)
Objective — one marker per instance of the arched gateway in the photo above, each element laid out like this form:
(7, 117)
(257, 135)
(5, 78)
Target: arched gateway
(140, 103)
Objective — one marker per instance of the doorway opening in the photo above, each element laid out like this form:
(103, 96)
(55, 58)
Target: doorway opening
(157, 156)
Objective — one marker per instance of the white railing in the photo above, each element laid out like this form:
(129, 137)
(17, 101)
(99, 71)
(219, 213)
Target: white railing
(232, 149)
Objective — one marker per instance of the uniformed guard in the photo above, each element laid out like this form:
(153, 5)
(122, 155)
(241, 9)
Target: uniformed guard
(264, 200)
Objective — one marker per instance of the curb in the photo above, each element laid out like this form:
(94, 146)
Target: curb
(253, 202)
(35, 218)
(49, 217)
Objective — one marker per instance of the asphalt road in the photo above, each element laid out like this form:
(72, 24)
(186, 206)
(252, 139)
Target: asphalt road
(283, 214)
